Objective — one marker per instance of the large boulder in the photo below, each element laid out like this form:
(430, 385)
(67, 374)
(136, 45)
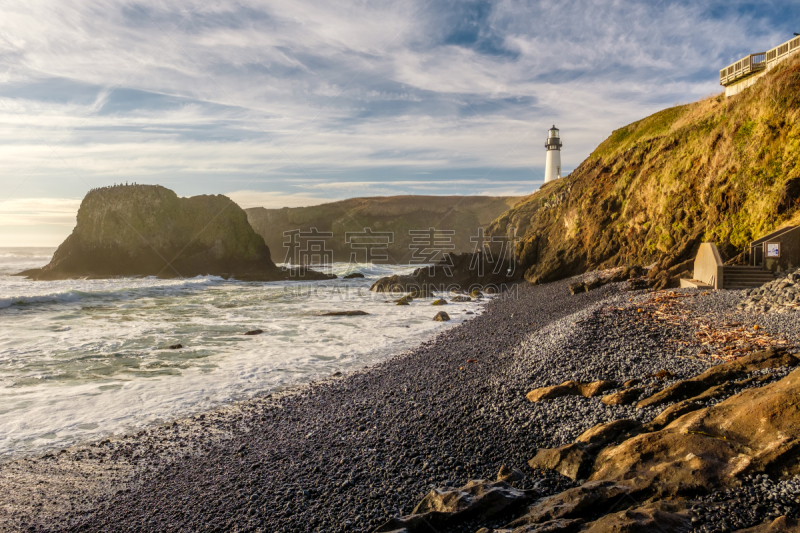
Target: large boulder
(147, 230)
(719, 375)
(589, 500)
(649, 518)
(639, 475)
(755, 431)
(575, 460)
(782, 524)
(477, 500)
(571, 388)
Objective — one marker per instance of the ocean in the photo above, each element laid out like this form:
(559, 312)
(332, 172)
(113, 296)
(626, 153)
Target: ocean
(83, 359)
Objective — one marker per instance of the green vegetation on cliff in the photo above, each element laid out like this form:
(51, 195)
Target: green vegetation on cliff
(395, 214)
(722, 169)
(147, 230)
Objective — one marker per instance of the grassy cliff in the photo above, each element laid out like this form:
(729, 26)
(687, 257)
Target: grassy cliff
(395, 214)
(722, 170)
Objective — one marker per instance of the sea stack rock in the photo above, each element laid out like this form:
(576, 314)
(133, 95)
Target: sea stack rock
(147, 230)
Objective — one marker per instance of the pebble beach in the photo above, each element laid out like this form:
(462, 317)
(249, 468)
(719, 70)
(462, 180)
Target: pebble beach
(350, 452)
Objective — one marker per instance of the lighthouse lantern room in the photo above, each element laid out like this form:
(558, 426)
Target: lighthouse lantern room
(552, 168)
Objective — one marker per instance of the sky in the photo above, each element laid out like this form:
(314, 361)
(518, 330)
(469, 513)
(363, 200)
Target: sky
(292, 103)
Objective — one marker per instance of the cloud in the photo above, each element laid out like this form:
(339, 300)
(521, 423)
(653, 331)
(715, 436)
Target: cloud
(246, 199)
(254, 95)
(39, 211)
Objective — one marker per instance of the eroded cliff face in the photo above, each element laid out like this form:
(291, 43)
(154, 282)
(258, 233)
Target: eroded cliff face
(721, 170)
(147, 230)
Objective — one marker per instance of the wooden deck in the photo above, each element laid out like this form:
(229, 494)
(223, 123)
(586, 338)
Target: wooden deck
(754, 63)
(743, 68)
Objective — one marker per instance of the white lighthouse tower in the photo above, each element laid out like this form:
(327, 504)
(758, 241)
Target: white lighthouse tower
(552, 168)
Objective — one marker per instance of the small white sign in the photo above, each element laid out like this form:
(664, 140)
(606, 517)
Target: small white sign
(773, 249)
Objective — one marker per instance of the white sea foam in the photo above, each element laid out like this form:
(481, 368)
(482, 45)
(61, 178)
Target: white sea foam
(80, 359)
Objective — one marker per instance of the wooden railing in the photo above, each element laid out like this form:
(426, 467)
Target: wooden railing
(756, 62)
(779, 51)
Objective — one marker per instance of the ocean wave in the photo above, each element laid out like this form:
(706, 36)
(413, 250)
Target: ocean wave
(368, 269)
(27, 253)
(27, 257)
(64, 297)
(124, 291)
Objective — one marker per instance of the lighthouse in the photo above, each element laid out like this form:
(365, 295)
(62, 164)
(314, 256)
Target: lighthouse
(552, 168)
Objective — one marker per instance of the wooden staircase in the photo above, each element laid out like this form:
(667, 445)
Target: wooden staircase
(745, 277)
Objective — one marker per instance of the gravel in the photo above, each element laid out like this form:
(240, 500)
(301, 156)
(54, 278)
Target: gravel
(759, 499)
(348, 453)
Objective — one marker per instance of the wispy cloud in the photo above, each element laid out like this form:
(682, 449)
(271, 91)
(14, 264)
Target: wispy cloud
(39, 211)
(256, 95)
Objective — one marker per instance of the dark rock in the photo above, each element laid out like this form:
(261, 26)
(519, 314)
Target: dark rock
(476, 501)
(712, 447)
(602, 434)
(551, 526)
(571, 460)
(577, 288)
(345, 313)
(595, 498)
(783, 524)
(575, 460)
(638, 285)
(440, 302)
(690, 388)
(623, 397)
(354, 275)
(789, 195)
(441, 316)
(509, 475)
(405, 300)
(255, 332)
(672, 413)
(147, 230)
(455, 271)
(594, 284)
(649, 518)
(176, 347)
(570, 388)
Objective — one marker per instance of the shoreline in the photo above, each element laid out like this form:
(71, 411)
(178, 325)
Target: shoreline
(66, 343)
(349, 453)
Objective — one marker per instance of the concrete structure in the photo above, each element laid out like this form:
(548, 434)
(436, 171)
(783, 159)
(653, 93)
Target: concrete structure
(694, 284)
(777, 252)
(710, 272)
(552, 167)
(708, 266)
(748, 70)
